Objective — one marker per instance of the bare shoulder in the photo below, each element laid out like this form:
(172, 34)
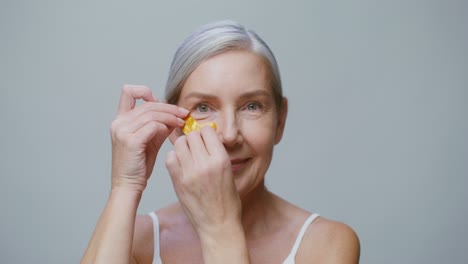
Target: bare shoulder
(328, 241)
(143, 239)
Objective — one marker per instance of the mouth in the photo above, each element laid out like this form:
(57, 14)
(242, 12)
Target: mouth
(239, 164)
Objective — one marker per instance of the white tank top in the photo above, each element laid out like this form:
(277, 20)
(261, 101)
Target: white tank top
(288, 260)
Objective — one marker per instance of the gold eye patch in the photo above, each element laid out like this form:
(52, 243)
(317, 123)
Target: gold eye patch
(192, 125)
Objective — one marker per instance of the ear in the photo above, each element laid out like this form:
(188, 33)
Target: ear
(283, 113)
(175, 134)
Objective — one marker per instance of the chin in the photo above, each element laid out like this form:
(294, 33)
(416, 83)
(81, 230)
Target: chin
(244, 188)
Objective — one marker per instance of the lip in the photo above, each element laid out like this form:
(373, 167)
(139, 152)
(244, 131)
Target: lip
(239, 164)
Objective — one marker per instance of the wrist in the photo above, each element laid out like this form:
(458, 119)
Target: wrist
(126, 193)
(221, 235)
(128, 186)
(225, 245)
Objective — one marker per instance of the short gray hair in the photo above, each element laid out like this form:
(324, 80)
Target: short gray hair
(213, 39)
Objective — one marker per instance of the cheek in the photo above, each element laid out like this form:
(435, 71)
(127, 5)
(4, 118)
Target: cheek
(260, 135)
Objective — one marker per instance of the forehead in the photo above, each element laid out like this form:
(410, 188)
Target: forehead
(229, 73)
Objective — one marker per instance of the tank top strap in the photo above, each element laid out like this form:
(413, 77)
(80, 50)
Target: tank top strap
(156, 253)
(297, 243)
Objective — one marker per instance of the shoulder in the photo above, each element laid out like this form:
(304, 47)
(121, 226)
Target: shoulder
(327, 241)
(143, 237)
(143, 243)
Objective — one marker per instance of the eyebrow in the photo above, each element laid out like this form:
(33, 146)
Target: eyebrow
(244, 95)
(199, 95)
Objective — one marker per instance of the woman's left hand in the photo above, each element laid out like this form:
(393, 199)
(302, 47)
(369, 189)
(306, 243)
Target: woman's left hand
(201, 173)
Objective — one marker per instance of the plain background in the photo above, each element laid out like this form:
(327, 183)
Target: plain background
(376, 135)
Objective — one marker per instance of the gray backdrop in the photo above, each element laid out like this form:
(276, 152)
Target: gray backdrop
(376, 135)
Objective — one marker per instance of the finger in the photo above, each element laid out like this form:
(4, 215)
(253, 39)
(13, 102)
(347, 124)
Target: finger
(174, 168)
(214, 146)
(131, 93)
(197, 146)
(170, 115)
(183, 152)
(166, 119)
(150, 130)
(161, 107)
(154, 107)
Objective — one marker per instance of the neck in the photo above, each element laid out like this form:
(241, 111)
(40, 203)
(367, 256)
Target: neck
(259, 208)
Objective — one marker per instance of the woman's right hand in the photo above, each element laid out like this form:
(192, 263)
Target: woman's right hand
(137, 135)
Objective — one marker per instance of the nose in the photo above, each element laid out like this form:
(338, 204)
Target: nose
(229, 129)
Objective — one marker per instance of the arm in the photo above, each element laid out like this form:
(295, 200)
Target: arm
(344, 246)
(329, 242)
(112, 238)
(137, 135)
(228, 245)
(201, 173)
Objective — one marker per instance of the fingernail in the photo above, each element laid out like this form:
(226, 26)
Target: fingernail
(180, 121)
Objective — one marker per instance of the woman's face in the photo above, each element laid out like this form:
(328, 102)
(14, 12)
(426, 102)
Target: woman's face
(233, 90)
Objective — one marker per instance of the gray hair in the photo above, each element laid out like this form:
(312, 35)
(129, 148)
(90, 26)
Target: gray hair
(213, 39)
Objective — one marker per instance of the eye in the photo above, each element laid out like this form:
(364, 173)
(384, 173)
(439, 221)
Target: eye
(202, 108)
(253, 106)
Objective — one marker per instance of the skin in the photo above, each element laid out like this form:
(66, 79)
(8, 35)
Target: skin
(224, 214)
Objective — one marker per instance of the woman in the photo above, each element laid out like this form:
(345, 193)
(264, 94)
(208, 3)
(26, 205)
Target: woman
(224, 74)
